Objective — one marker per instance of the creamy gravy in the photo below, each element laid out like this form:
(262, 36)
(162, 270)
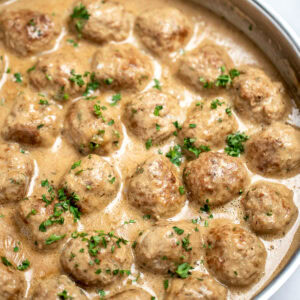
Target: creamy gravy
(52, 163)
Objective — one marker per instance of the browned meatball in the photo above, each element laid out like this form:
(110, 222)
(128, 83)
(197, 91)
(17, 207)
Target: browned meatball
(56, 75)
(269, 206)
(208, 124)
(132, 293)
(57, 287)
(26, 31)
(165, 246)
(106, 21)
(97, 258)
(150, 115)
(274, 151)
(202, 66)
(16, 170)
(196, 287)
(93, 128)
(32, 121)
(12, 283)
(154, 188)
(163, 30)
(121, 67)
(235, 256)
(215, 178)
(94, 181)
(257, 97)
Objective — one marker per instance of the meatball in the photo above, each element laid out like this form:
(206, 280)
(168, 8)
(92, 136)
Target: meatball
(163, 30)
(94, 181)
(215, 178)
(274, 151)
(120, 67)
(154, 188)
(202, 66)
(132, 293)
(234, 255)
(258, 98)
(269, 206)
(97, 258)
(196, 287)
(165, 246)
(58, 75)
(107, 21)
(33, 121)
(27, 32)
(16, 170)
(57, 287)
(208, 125)
(44, 220)
(12, 283)
(93, 128)
(150, 115)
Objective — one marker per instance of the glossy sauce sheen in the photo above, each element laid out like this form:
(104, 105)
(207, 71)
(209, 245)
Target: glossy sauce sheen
(52, 163)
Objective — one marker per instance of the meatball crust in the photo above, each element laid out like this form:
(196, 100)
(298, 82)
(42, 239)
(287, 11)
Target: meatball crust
(208, 124)
(198, 286)
(132, 293)
(274, 151)
(269, 206)
(163, 247)
(234, 255)
(202, 66)
(215, 178)
(121, 66)
(257, 98)
(94, 181)
(31, 122)
(54, 75)
(104, 259)
(27, 32)
(93, 128)
(107, 21)
(16, 170)
(150, 115)
(12, 283)
(54, 287)
(163, 30)
(154, 188)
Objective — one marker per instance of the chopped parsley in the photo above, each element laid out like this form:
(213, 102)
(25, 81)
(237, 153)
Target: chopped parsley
(214, 104)
(166, 284)
(188, 144)
(175, 155)
(108, 81)
(183, 270)
(181, 190)
(192, 125)
(157, 84)
(92, 85)
(76, 164)
(115, 99)
(54, 238)
(44, 102)
(228, 111)
(6, 262)
(40, 126)
(18, 77)
(72, 42)
(24, 265)
(178, 230)
(31, 69)
(157, 109)
(235, 144)
(76, 78)
(81, 14)
(148, 144)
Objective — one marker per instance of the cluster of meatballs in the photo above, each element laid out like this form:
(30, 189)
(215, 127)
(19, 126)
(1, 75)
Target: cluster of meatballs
(234, 255)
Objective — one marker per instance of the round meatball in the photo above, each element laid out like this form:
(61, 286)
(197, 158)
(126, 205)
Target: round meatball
(269, 206)
(163, 30)
(215, 178)
(150, 115)
(132, 293)
(93, 128)
(27, 32)
(97, 258)
(208, 124)
(12, 283)
(121, 66)
(198, 286)
(57, 287)
(154, 188)
(234, 255)
(274, 151)
(165, 246)
(33, 121)
(41, 221)
(202, 66)
(16, 170)
(94, 181)
(58, 75)
(107, 21)
(257, 97)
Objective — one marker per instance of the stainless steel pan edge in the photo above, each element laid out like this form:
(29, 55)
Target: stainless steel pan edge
(282, 46)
